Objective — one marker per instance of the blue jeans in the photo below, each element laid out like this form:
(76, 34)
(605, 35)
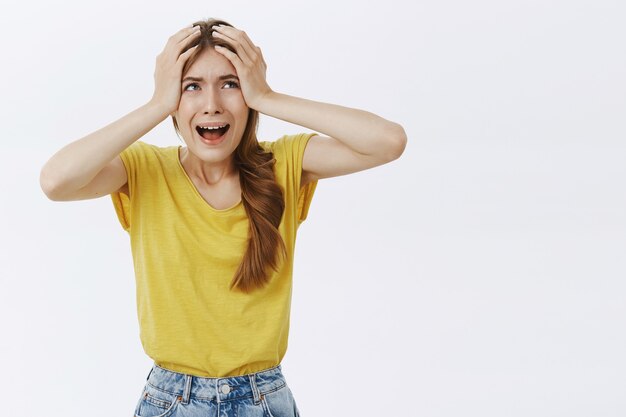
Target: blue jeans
(261, 394)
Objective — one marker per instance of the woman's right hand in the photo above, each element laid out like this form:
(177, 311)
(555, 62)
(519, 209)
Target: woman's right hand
(169, 67)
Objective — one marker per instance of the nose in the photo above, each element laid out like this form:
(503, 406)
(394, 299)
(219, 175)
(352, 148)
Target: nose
(212, 101)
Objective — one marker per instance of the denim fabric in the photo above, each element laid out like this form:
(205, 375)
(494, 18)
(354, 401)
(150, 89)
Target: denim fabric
(172, 394)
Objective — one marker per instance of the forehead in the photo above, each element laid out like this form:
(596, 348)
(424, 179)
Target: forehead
(211, 64)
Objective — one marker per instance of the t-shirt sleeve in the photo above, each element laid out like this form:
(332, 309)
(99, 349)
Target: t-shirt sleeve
(294, 147)
(132, 157)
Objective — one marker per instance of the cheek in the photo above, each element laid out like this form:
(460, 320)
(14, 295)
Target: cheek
(184, 104)
(184, 112)
(234, 101)
(241, 109)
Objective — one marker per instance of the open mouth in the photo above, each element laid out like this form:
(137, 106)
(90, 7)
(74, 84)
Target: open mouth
(212, 133)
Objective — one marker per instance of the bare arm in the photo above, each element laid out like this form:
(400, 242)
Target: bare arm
(73, 172)
(76, 164)
(357, 139)
(361, 131)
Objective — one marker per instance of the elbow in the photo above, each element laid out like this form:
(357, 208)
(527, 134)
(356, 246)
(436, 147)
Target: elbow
(47, 186)
(398, 140)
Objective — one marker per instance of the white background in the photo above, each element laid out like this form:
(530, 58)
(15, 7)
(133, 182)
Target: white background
(481, 274)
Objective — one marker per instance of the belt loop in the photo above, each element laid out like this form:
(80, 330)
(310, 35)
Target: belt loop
(187, 391)
(255, 389)
(217, 391)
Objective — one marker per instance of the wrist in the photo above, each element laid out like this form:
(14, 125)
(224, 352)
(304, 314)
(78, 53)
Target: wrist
(157, 109)
(262, 103)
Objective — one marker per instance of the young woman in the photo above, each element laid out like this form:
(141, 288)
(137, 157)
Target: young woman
(212, 225)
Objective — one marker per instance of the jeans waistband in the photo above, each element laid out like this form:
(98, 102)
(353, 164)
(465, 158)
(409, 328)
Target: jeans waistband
(220, 389)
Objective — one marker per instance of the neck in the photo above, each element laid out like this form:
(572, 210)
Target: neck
(209, 173)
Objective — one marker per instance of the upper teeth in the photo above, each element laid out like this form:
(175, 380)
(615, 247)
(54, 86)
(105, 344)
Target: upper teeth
(212, 128)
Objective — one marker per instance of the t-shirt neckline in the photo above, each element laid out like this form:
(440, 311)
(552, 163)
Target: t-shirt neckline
(195, 190)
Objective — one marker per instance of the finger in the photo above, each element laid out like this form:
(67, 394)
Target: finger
(242, 38)
(176, 49)
(182, 58)
(233, 57)
(241, 53)
(261, 55)
(253, 52)
(190, 35)
(246, 42)
(182, 34)
(239, 40)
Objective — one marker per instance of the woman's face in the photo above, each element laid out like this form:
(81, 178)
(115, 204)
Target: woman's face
(209, 98)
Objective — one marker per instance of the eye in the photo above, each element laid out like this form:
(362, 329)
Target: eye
(233, 83)
(190, 86)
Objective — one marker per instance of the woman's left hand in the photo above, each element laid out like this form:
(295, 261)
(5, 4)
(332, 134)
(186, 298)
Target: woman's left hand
(248, 62)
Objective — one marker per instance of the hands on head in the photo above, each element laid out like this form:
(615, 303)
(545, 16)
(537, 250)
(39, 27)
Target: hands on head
(238, 49)
(169, 67)
(248, 61)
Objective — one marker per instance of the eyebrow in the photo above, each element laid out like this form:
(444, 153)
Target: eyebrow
(220, 78)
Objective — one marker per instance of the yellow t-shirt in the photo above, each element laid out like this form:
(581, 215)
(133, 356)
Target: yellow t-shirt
(185, 254)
